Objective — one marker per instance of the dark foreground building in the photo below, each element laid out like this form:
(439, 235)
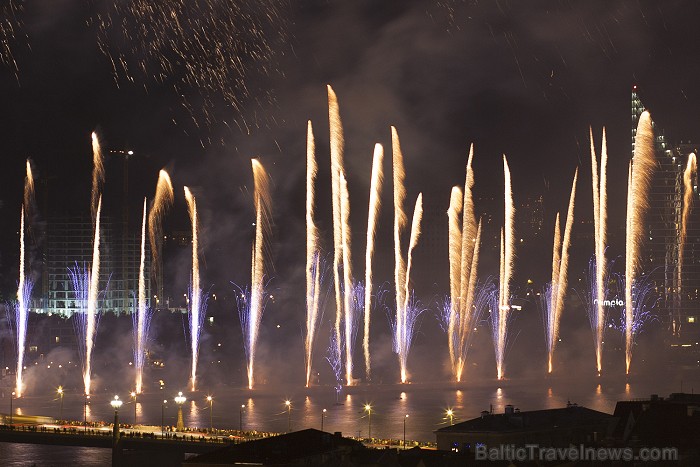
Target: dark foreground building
(673, 421)
(317, 448)
(571, 425)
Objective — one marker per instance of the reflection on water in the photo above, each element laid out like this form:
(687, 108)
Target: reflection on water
(264, 409)
(23, 455)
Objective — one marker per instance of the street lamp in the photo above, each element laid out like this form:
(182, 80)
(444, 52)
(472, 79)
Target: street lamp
(60, 395)
(115, 403)
(450, 414)
(179, 400)
(404, 431)
(211, 413)
(162, 419)
(133, 396)
(323, 415)
(288, 403)
(368, 409)
(240, 417)
(12, 397)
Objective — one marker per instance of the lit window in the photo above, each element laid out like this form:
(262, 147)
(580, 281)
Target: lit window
(58, 339)
(691, 319)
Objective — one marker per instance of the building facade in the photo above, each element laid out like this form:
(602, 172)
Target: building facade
(68, 253)
(675, 285)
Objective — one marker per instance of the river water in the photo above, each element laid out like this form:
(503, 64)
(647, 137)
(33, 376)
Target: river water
(264, 409)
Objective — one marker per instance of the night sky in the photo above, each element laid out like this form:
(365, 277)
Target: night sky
(525, 79)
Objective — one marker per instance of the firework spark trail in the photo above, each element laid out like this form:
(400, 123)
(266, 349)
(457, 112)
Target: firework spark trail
(142, 312)
(312, 252)
(98, 174)
(600, 214)
(93, 290)
(641, 169)
(29, 189)
(468, 240)
(196, 291)
(554, 304)
(645, 301)
(25, 284)
(335, 361)
(506, 272)
(410, 309)
(455, 253)
(549, 296)
(464, 258)
(399, 223)
(472, 313)
(80, 283)
(374, 206)
(164, 198)
(688, 192)
(24, 294)
(336, 145)
(407, 308)
(10, 23)
(349, 315)
(257, 295)
(209, 47)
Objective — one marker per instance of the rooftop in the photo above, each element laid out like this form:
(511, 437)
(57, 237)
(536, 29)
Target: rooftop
(514, 421)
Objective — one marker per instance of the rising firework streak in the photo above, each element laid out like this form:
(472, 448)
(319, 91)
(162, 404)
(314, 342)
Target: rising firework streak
(313, 255)
(640, 173)
(600, 215)
(195, 299)
(688, 192)
(554, 295)
(163, 200)
(374, 205)
(25, 284)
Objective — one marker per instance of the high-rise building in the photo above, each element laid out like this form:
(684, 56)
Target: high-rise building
(69, 243)
(676, 288)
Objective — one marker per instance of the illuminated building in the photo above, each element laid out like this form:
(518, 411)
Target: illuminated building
(677, 292)
(69, 244)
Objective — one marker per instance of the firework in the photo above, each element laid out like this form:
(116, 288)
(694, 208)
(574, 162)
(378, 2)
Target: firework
(10, 23)
(600, 214)
(98, 174)
(688, 192)
(407, 308)
(349, 311)
(500, 324)
(336, 143)
(25, 284)
(464, 242)
(374, 205)
(312, 253)
(86, 323)
(142, 313)
(92, 296)
(195, 298)
(640, 172)
(555, 292)
(335, 361)
(208, 47)
(163, 200)
(257, 300)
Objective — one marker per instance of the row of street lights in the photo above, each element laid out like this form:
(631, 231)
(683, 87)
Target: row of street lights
(116, 403)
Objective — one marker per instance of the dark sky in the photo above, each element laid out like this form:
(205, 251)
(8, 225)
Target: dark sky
(521, 78)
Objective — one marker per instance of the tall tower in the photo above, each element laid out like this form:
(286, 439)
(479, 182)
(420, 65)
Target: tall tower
(660, 255)
(662, 245)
